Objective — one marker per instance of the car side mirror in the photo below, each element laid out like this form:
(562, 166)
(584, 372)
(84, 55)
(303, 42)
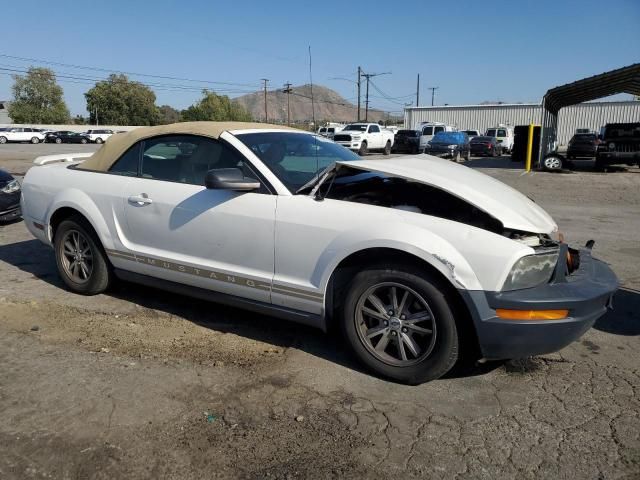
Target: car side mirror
(230, 179)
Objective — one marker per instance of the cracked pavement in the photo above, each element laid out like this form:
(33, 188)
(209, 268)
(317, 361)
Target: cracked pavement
(140, 383)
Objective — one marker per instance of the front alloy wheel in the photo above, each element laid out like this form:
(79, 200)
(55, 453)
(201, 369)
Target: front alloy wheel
(399, 323)
(395, 324)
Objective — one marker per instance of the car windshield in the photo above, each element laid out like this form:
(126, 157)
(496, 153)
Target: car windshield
(295, 158)
(357, 128)
(623, 130)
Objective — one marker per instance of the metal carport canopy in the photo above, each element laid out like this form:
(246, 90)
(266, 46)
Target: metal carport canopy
(622, 80)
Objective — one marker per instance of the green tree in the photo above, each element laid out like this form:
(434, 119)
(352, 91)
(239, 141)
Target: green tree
(216, 108)
(37, 98)
(120, 101)
(168, 114)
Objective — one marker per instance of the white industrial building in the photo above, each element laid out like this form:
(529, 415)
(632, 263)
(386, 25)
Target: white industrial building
(592, 115)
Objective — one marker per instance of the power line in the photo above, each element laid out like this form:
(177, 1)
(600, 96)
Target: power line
(98, 69)
(69, 78)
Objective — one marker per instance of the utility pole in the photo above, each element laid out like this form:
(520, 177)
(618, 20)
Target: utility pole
(418, 92)
(366, 102)
(359, 73)
(287, 90)
(264, 81)
(433, 93)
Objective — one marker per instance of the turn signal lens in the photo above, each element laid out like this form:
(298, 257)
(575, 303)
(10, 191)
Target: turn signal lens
(532, 314)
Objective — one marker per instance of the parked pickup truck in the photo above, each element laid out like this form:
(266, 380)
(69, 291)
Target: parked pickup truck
(620, 144)
(416, 259)
(363, 137)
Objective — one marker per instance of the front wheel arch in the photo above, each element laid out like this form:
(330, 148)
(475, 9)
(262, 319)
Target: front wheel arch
(387, 257)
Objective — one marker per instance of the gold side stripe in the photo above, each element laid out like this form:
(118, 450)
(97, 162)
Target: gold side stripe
(214, 275)
(298, 291)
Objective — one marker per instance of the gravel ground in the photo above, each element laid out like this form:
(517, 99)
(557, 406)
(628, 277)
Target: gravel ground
(144, 384)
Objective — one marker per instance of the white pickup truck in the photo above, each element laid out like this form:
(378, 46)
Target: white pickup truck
(363, 137)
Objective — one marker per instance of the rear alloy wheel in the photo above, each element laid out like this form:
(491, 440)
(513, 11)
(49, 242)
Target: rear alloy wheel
(3, 139)
(363, 149)
(552, 163)
(399, 324)
(35, 140)
(387, 148)
(58, 140)
(456, 157)
(98, 140)
(82, 264)
(83, 141)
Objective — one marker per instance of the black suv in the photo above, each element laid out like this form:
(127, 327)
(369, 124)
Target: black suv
(620, 143)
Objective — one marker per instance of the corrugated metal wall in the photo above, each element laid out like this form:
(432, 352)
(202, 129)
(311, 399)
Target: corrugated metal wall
(585, 115)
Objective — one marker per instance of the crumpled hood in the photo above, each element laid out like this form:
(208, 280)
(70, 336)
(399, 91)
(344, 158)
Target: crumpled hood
(513, 209)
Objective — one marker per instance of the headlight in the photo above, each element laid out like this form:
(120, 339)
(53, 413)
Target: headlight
(355, 137)
(612, 146)
(531, 271)
(451, 147)
(12, 187)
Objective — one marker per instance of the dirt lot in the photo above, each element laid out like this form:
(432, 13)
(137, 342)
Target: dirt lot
(142, 384)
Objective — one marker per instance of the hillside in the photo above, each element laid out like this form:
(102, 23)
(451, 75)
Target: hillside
(329, 106)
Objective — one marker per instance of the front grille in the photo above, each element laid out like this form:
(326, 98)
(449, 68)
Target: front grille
(342, 138)
(627, 147)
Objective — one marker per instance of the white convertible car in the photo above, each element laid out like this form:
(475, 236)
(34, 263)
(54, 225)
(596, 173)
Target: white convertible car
(416, 258)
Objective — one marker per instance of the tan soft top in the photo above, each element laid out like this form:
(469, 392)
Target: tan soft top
(120, 142)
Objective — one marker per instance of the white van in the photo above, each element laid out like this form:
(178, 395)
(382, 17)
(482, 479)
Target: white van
(429, 129)
(504, 136)
(330, 130)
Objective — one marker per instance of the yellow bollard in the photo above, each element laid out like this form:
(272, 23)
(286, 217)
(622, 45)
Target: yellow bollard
(529, 148)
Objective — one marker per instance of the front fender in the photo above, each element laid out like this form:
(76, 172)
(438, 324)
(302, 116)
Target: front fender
(426, 245)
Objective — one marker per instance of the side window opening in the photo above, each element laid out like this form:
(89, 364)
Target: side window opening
(186, 158)
(438, 130)
(127, 164)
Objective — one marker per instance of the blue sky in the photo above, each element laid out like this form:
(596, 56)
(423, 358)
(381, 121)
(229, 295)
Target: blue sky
(473, 51)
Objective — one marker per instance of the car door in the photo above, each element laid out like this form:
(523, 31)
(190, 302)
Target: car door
(179, 230)
(375, 137)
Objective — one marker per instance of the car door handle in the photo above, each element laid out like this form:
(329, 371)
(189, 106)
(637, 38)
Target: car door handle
(140, 200)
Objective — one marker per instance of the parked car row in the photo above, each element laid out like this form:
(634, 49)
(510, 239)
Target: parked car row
(37, 135)
(444, 140)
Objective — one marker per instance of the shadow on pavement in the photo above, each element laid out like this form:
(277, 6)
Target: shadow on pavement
(624, 319)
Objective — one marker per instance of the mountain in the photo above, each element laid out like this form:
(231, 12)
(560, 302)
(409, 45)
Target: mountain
(329, 106)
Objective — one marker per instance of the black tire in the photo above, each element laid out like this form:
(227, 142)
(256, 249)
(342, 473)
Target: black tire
(363, 149)
(387, 148)
(467, 157)
(441, 354)
(58, 140)
(35, 140)
(100, 275)
(99, 140)
(3, 139)
(83, 141)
